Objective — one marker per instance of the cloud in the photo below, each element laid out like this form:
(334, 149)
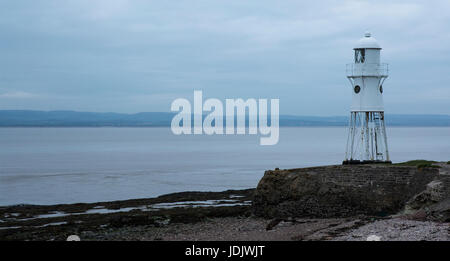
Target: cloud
(17, 95)
(105, 54)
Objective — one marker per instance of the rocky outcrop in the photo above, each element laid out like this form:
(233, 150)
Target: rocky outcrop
(433, 203)
(433, 193)
(339, 191)
(439, 211)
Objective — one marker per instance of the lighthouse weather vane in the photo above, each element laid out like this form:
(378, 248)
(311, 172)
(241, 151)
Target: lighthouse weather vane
(367, 140)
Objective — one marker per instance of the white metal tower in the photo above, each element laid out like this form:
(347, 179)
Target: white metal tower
(367, 141)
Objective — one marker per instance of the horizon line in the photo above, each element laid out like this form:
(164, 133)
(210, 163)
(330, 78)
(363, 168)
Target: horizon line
(170, 112)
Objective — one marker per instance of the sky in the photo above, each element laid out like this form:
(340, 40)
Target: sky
(139, 55)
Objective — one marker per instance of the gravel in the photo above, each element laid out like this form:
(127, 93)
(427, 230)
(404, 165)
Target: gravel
(254, 229)
(398, 229)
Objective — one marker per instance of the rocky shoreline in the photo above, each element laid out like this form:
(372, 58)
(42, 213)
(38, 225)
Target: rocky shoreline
(198, 216)
(228, 215)
(57, 222)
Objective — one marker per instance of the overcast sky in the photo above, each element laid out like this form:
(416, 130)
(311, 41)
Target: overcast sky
(133, 56)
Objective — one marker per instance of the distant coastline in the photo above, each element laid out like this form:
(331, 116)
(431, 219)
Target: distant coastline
(33, 118)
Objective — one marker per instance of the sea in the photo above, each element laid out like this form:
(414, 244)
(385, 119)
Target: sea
(81, 165)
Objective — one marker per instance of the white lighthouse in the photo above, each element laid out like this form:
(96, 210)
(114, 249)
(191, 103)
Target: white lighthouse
(367, 140)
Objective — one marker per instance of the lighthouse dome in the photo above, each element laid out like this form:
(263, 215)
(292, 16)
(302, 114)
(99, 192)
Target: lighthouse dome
(367, 42)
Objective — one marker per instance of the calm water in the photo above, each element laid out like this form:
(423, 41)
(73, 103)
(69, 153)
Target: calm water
(67, 165)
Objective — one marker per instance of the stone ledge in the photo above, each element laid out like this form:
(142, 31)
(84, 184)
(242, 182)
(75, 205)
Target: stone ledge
(339, 190)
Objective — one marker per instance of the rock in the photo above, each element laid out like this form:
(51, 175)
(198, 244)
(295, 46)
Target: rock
(439, 211)
(162, 222)
(373, 238)
(432, 194)
(273, 223)
(339, 191)
(431, 204)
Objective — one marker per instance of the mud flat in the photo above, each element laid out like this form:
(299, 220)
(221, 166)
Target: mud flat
(57, 222)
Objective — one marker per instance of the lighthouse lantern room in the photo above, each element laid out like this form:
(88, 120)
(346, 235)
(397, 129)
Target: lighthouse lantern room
(367, 140)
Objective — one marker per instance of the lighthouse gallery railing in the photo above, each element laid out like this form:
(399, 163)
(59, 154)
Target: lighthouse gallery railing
(367, 69)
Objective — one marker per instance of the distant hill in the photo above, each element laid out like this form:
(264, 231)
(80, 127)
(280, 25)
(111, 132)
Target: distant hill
(30, 118)
(73, 118)
(391, 120)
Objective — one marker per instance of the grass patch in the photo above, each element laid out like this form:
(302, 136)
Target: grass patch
(419, 164)
(415, 163)
(427, 165)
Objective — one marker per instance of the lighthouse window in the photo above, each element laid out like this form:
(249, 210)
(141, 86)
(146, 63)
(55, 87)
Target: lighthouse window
(357, 89)
(360, 55)
(381, 88)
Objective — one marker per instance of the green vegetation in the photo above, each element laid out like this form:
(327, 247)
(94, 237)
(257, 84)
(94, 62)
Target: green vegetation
(427, 165)
(415, 162)
(419, 164)
(448, 162)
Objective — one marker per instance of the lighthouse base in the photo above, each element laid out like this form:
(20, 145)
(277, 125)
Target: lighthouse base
(367, 141)
(357, 162)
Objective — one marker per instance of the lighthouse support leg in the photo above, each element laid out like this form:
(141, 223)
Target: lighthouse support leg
(383, 126)
(366, 136)
(367, 139)
(350, 120)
